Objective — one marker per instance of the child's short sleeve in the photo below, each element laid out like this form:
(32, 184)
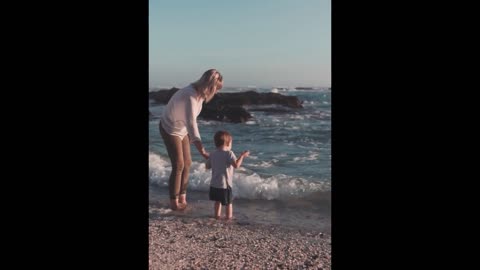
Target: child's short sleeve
(232, 158)
(208, 164)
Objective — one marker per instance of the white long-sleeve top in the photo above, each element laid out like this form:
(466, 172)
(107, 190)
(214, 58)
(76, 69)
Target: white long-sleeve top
(179, 117)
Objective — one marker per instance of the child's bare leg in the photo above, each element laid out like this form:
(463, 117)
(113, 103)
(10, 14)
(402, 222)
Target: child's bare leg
(218, 210)
(229, 211)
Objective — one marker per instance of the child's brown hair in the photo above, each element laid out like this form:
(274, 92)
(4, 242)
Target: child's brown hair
(222, 138)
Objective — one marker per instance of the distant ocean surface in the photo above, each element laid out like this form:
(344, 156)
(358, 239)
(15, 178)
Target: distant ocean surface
(287, 177)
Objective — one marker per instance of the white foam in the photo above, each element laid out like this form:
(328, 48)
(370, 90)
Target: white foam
(262, 164)
(297, 117)
(275, 187)
(159, 169)
(246, 183)
(206, 123)
(293, 128)
(156, 110)
(164, 211)
(312, 156)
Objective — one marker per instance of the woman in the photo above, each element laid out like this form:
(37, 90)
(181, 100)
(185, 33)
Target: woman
(178, 127)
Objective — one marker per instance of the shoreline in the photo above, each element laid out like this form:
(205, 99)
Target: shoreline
(309, 212)
(186, 242)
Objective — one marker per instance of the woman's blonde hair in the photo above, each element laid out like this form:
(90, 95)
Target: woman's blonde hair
(207, 85)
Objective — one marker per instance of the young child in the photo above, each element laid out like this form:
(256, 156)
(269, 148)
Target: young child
(222, 161)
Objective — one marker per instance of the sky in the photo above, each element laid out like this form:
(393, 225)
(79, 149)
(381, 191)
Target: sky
(262, 43)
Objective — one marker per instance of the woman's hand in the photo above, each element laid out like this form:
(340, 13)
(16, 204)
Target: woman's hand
(205, 154)
(201, 149)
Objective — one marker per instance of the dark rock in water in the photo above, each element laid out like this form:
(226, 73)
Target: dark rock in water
(162, 96)
(271, 110)
(304, 88)
(228, 106)
(235, 114)
(235, 99)
(254, 98)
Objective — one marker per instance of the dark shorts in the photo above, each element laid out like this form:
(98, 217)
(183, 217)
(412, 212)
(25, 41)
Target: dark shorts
(222, 195)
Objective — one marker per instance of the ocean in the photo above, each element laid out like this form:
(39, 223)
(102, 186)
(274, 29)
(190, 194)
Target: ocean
(286, 180)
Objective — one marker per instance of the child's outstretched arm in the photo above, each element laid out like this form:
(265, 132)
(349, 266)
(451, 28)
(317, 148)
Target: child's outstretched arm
(236, 164)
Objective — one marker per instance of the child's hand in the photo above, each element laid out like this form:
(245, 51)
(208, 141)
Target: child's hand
(245, 153)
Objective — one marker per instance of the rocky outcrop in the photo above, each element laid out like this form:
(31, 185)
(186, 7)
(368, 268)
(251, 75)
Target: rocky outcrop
(235, 114)
(255, 98)
(229, 106)
(162, 96)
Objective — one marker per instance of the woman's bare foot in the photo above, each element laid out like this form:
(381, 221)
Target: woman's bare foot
(183, 199)
(175, 205)
(178, 207)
